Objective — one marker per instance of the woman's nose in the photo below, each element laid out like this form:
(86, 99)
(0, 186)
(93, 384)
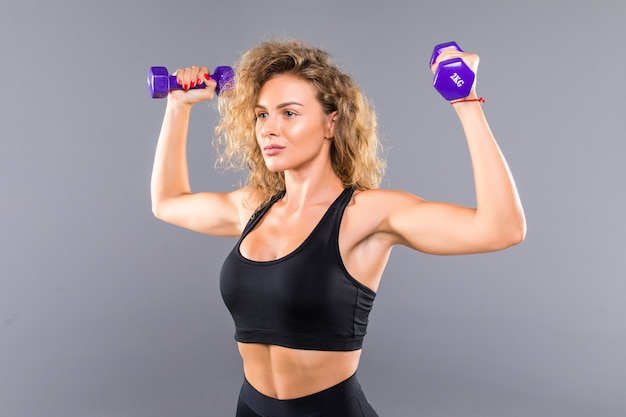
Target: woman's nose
(269, 127)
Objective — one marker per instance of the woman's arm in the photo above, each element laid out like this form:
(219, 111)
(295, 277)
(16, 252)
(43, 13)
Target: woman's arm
(172, 199)
(498, 220)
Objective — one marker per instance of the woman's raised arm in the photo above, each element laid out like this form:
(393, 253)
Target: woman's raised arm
(172, 199)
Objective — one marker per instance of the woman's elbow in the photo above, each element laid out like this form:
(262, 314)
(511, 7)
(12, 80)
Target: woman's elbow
(518, 235)
(157, 210)
(512, 234)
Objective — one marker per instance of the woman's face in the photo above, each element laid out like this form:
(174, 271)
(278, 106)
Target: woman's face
(291, 128)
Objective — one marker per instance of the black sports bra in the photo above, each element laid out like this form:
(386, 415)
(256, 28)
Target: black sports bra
(305, 300)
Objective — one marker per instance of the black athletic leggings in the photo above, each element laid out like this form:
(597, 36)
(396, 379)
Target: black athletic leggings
(345, 399)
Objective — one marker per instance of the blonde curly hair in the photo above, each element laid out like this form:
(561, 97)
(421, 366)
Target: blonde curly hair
(355, 152)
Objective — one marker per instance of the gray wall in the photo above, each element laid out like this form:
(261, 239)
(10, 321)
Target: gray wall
(107, 312)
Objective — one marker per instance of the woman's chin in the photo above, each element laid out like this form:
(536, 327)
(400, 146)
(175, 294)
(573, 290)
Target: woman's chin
(274, 168)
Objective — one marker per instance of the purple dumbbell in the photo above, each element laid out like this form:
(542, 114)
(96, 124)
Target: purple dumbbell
(453, 78)
(160, 82)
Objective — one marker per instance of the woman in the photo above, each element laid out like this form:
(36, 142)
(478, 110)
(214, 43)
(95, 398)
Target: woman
(315, 231)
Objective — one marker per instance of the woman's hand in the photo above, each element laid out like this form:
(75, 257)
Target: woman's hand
(471, 60)
(188, 78)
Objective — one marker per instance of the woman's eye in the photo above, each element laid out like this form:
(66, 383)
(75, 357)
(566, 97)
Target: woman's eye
(289, 113)
(261, 115)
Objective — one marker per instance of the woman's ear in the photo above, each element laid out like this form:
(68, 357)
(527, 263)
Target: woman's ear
(330, 125)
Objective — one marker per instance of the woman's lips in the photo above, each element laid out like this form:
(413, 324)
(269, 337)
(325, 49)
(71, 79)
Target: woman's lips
(272, 149)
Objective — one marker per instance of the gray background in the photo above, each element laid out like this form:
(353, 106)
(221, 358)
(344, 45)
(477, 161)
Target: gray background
(107, 312)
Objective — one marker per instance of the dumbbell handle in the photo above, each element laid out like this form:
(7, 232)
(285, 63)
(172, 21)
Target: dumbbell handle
(440, 48)
(160, 82)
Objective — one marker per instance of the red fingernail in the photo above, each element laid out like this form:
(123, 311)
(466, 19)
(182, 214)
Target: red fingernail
(185, 87)
(207, 76)
(179, 82)
(192, 84)
(199, 81)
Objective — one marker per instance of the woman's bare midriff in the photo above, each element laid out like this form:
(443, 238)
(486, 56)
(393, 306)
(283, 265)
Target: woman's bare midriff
(285, 373)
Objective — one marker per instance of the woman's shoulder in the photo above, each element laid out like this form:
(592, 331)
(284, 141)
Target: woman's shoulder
(375, 206)
(379, 197)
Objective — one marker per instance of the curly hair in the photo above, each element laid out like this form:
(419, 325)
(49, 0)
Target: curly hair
(355, 151)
